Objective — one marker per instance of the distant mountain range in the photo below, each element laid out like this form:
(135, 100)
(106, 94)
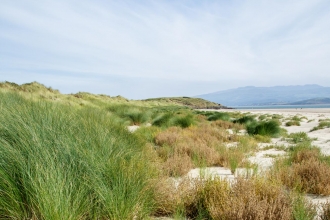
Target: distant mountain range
(316, 101)
(277, 95)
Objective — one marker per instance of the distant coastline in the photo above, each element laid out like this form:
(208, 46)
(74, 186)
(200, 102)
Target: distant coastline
(282, 106)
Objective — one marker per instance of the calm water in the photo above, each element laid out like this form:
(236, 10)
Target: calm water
(281, 106)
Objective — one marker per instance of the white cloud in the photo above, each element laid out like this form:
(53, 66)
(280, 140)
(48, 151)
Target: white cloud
(232, 43)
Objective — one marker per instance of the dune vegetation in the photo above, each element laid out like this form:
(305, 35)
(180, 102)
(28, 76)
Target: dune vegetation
(73, 157)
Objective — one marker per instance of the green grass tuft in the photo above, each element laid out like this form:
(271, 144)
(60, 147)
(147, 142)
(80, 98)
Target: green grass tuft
(59, 162)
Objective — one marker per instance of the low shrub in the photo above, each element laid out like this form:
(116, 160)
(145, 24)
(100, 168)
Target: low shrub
(246, 199)
(304, 170)
(178, 164)
(168, 137)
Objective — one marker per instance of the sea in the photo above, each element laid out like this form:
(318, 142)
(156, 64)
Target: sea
(282, 106)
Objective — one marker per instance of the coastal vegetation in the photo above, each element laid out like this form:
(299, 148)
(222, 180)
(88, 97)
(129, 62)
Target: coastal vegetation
(73, 157)
(325, 123)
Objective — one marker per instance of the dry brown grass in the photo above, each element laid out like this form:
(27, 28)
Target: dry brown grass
(310, 176)
(184, 149)
(178, 165)
(247, 199)
(228, 125)
(167, 197)
(168, 137)
(216, 199)
(172, 196)
(306, 172)
(305, 155)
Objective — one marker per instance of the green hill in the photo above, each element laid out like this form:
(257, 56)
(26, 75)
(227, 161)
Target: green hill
(36, 91)
(197, 103)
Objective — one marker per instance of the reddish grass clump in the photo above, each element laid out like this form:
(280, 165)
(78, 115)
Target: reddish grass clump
(183, 149)
(306, 172)
(310, 176)
(228, 125)
(247, 199)
(218, 199)
(168, 137)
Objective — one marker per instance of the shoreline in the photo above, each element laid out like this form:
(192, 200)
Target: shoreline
(277, 110)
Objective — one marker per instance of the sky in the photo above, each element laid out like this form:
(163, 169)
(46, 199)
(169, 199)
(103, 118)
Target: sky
(143, 49)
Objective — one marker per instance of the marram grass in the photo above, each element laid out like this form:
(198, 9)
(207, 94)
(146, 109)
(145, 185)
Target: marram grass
(58, 162)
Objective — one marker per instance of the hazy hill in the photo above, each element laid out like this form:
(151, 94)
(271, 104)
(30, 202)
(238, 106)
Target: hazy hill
(37, 91)
(250, 95)
(315, 101)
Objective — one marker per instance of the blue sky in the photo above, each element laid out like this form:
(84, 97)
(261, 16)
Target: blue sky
(141, 49)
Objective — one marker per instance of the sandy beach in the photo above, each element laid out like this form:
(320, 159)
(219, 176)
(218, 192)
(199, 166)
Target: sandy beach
(311, 118)
(282, 111)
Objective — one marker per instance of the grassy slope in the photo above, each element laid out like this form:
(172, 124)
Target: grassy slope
(196, 103)
(37, 91)
(71, 157)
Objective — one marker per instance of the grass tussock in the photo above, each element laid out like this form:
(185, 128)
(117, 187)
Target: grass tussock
(254, 198)
(180, 119)
(292, 123)
(305, 170)
(184, 149)
(322, 125)
(270, 128)
(132, 115)
(298, 137)
(219, 116)
(247, 199)
(64, 163)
